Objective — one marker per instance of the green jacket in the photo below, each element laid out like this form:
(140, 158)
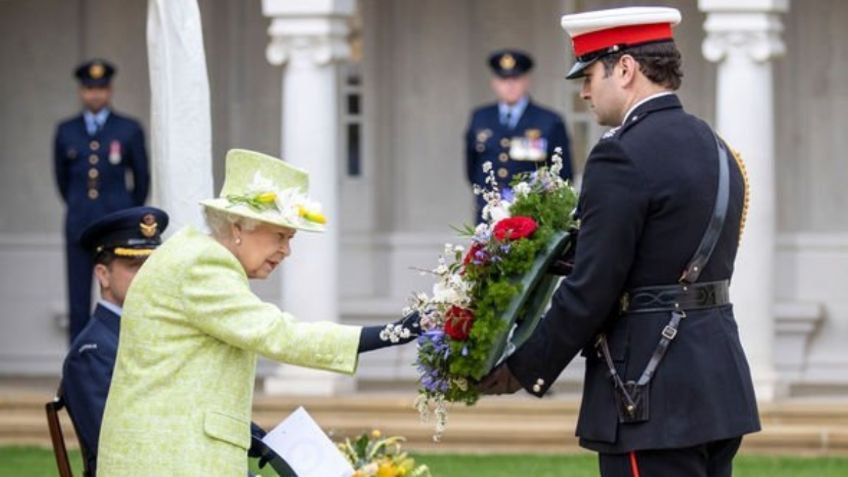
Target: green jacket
(182, 389)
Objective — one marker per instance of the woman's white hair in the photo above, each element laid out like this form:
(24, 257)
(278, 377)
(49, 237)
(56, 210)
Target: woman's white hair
(219, 222)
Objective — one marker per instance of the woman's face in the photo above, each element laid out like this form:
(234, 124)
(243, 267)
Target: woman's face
(260, 250)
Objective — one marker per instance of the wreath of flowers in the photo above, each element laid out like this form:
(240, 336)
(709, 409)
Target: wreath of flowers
(461, 319)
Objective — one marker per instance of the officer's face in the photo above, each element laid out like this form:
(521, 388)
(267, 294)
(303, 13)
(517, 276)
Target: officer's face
(602, 92)
(95, 98)
(510, 90)
(115, 278)
(263, 248)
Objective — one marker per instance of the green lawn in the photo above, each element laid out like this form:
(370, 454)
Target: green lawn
(33, 462)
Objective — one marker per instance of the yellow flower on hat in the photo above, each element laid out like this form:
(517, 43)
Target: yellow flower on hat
(266, 197)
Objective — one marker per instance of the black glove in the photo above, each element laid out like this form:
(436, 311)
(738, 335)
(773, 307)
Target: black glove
(565, 262)
(499, 381)
(404, 330)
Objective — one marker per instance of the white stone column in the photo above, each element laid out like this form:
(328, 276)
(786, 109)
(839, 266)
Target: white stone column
(743, 36)
(309, 38)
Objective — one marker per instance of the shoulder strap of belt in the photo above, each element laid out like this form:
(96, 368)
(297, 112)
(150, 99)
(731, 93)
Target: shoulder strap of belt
(710, 238)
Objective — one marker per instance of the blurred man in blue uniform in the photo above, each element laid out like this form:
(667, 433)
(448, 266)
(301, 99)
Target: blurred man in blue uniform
(94, 155)
(119, 243)
(514, 134)
(667, 390)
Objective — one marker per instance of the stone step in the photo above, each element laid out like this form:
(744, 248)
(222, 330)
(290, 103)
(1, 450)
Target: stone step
(508, 424)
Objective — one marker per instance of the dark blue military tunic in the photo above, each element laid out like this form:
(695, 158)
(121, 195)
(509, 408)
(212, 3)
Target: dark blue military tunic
(91, 176)
(513, 150)
(86, 376)
(648, 194)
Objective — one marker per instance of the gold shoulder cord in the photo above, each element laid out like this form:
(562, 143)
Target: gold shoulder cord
(747, 193)
(747, 197)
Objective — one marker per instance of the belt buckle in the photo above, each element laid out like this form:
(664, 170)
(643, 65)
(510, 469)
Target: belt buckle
(669, 333)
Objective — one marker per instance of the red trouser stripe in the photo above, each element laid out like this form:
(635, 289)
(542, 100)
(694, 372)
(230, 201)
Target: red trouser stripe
(634, 467)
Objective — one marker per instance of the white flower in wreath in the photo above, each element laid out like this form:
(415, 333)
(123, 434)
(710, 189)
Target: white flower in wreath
(444, 293)
(522, 189)
(497, 212)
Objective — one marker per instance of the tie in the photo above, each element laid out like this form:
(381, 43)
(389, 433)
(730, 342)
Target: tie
(505, 118)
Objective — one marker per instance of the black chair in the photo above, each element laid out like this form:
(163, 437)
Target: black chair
(57, 438)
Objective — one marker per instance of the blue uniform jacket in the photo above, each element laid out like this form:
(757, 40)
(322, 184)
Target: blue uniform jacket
(91, 170)
(648, 194)
(86, 376)
(521, 149)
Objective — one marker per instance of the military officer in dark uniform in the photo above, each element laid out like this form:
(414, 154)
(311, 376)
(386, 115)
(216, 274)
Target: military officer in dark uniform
(514, 134)
(93, 153)
(119, 243)
(667, 388)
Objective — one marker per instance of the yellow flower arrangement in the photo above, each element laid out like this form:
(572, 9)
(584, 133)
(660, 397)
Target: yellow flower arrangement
(373, 456)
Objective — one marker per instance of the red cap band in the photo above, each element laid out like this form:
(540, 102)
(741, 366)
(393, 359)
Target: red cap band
(624, 35)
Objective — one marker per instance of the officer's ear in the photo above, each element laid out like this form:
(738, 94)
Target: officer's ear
(103, 274)
(627, 69)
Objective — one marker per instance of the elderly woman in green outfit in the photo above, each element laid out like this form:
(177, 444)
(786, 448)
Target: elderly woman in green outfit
(182, 389)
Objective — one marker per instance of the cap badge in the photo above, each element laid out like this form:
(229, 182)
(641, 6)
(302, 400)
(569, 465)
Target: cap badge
(148, 225)
(507, 62)
(96, 71)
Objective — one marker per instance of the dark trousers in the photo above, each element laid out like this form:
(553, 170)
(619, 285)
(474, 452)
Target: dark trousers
(80, 268)
(713, 459)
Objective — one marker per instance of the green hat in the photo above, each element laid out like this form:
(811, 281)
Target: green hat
(267, 189)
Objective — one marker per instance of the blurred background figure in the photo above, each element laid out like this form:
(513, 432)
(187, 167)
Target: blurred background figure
(514, 134)
(101, 166)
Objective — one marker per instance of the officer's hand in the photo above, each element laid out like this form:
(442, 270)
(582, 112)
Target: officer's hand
(499, 381)
(561, 266)
(565, 262)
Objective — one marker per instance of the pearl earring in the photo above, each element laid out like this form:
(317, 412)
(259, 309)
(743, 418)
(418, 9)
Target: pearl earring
(238, 240)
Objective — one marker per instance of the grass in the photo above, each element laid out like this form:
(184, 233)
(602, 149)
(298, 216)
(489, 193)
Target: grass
(36, 462)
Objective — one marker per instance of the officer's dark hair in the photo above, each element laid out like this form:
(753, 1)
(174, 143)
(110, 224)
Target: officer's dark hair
(660, 62)
(105, 257)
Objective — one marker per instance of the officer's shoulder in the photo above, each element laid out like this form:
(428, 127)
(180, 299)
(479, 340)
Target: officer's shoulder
(485, 110)
(124, 120)
(69, 121)
(543, 112)
(86, 345)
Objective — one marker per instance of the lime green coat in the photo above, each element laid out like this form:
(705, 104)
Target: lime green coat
(182, 389)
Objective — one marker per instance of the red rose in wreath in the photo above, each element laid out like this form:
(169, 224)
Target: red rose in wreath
(515, 228)
(458, 323)
(472, 253)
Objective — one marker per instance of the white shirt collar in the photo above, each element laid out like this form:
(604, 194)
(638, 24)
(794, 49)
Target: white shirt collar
(111, 307)
(643, 101)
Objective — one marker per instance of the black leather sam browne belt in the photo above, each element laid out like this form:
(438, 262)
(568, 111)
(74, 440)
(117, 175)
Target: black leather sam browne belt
(633, 397)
